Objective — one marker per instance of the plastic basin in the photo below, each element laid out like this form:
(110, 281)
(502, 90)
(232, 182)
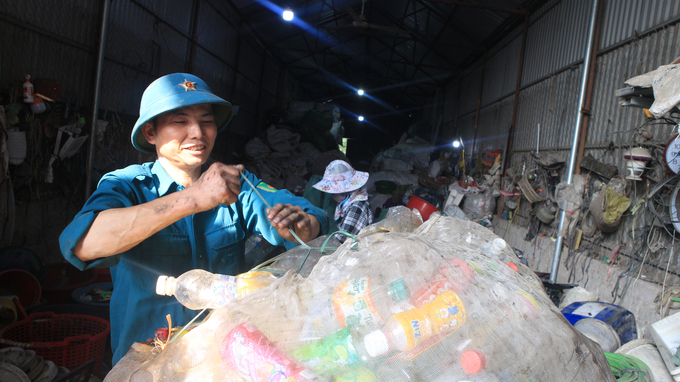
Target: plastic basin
(426, 209)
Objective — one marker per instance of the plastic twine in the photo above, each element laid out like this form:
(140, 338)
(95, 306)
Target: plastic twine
(303, 244)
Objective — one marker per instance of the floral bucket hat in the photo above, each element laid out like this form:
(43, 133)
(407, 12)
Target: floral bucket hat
(340, 177)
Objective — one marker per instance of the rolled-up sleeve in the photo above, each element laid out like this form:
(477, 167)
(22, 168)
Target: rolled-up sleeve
(112, 192)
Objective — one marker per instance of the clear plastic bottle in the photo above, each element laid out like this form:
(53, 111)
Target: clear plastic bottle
(366, 301)
(455, 275)
(496, 249)
(199, 289)
(425, 361)
(405, 330)
(334, 354)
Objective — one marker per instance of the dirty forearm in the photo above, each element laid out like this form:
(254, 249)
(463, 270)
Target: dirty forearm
(117, 230)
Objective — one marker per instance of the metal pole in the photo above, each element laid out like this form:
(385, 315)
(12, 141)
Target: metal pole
(574, 145)
(515, 103)
(589, 93)
(95, 101)
(479, 106)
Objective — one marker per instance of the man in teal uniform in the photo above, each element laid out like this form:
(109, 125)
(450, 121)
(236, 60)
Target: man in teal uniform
(177, 213)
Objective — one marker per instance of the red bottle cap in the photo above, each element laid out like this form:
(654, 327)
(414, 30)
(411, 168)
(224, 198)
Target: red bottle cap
(473, 361)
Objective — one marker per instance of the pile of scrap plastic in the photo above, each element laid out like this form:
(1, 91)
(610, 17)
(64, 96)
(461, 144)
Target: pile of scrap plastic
(443, 301)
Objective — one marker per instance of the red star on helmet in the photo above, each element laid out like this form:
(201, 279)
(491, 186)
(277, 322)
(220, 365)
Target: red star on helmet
(188, 85)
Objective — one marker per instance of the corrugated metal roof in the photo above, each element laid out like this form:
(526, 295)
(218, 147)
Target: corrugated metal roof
(329, 55)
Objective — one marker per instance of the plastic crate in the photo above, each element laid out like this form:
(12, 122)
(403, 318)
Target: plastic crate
(68, 340)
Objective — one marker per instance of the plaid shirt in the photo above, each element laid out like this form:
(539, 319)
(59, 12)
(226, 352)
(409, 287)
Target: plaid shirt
(358, 216)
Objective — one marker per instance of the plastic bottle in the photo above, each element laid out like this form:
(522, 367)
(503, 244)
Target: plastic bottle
(249, 352)
(334, 354)
(455, 276)
(495, 352)
(28, 90)
(425, 361)
(495, 248)
(199, 289)
(358, 302)
(405, 330)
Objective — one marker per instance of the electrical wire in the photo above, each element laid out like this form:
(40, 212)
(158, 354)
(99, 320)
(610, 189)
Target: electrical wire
(663, 288)
(627, 368)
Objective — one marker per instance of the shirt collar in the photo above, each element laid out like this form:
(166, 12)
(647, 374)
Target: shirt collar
(164, 182)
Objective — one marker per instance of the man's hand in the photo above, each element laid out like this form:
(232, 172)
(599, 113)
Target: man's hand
(284, 216)
(220, 184)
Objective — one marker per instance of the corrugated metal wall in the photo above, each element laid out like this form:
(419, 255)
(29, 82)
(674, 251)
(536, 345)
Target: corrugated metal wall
(33, 33)
(624, 19)
(556, 46)
(145, 39)
(637, 36)
(557, 39)
(500, 72)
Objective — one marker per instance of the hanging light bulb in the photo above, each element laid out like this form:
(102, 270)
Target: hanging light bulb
(456, 143)
(288, 14)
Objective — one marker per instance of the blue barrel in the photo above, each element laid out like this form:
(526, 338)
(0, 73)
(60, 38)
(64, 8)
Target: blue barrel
(619, 318)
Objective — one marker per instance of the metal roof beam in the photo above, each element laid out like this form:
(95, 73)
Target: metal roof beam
(371, 58)
(450, 25)
(482, 6)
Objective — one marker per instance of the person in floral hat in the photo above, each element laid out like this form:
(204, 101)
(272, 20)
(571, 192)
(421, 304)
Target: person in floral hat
(347, 186)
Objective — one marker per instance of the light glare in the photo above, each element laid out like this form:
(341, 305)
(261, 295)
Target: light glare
(288, 14)
(456, 144)
(361, 118)
(360, 92)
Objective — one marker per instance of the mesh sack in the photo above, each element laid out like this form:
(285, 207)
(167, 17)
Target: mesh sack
(438, 303)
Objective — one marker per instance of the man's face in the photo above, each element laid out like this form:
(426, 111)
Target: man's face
(184, 137)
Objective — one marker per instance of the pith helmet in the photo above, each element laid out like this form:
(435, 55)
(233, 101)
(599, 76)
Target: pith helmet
(174, 91)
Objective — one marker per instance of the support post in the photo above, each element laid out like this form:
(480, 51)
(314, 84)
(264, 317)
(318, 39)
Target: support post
(95, 99)
(577, 136)
(479, 106)
(589, 93)
(515, 104)
(194, 31)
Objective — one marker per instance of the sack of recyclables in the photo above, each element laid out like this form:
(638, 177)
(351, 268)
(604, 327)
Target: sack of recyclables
(443, 301)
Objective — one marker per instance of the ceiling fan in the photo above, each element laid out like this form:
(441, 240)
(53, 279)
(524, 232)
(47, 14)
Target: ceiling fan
(359, 22)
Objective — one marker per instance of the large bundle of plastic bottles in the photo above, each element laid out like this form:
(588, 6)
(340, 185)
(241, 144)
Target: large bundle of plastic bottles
(443, 301)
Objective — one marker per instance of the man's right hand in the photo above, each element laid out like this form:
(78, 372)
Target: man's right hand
(220, 184)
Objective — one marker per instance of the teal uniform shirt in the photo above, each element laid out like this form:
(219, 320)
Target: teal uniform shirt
(213, 240)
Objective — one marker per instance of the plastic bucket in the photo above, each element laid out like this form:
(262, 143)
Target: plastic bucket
(426, 209)
(619, 318)
(600, 332)
(21, 283)
(645, 350)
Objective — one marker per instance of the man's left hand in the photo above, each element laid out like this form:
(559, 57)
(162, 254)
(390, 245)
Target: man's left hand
(284, 216)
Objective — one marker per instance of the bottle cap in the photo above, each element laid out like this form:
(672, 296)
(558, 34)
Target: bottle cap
(399, 291)
(376, 343)
(473, 361)
(498, 245)
(162, 286)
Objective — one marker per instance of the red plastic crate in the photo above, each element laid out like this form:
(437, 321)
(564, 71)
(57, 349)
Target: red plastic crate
(68, 340)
